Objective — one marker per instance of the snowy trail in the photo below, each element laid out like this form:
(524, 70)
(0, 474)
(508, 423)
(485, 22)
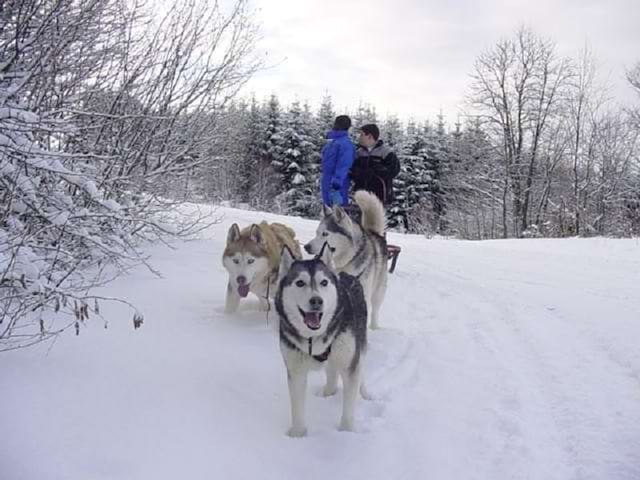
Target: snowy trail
(496, 360)
(556, 383)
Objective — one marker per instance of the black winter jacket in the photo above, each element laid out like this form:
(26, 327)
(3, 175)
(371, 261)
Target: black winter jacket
(374, 170)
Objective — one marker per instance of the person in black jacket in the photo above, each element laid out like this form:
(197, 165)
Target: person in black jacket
(375, 165)
(374, 169)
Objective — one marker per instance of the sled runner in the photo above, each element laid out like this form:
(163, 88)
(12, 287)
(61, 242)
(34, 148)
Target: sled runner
(392, 254)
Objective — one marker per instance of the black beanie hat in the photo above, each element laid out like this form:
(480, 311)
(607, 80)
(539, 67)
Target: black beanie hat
(342, 122)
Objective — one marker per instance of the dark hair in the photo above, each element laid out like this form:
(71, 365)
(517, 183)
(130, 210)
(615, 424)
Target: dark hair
(342, 122)
(371, 129)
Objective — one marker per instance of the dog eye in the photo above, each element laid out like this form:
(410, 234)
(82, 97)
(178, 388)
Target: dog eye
(325, 234)
(300, 283)
(236, 261)
(251, 260)
(324, 282)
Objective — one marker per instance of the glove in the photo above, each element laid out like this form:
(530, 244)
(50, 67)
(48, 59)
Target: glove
(335, 197)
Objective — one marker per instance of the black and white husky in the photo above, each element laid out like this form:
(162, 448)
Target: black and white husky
(323, 322)
(359, 249)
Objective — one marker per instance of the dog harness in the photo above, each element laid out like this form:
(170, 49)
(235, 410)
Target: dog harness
(274, 275)
(323, 356)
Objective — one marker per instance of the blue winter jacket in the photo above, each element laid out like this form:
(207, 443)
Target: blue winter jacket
(337, 157)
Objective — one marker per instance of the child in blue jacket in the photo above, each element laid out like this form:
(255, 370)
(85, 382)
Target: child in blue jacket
(337, 157)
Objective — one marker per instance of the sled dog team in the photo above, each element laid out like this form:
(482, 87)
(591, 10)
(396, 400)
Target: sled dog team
(324, 303)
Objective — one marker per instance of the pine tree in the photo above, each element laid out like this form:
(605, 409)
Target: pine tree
(254, 166)
(315, 126)
(419, 207)
(271, 153)
(397, 216)
(437, 164)
(326, 116)
(420, 177)
(396, 138)
(295, 165)
(364, 114)
(392, 133)
(408, 186)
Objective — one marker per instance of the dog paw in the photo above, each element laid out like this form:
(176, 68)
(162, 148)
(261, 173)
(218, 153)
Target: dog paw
(364, 393)
(328, 392)
(297, 432)
(346, 425)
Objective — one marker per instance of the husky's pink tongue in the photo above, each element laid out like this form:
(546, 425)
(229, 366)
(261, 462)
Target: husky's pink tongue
(312, 319)
(243, 290)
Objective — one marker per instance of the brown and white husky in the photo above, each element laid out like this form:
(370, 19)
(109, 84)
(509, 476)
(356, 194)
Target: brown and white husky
(252, 258)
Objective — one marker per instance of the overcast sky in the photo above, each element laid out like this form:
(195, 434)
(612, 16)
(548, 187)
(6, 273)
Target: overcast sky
(414, 57)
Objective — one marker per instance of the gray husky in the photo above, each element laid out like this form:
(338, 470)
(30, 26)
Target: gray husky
(359, 249)
(323, 322)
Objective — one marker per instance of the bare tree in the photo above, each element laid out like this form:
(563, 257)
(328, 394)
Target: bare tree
(104, 116)
(517, 87)
(617, 168)
(585, 100)
(634, 80)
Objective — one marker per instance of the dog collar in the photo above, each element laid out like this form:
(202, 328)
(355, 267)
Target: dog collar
(323, 356)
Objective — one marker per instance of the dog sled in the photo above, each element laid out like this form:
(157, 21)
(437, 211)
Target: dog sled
(392, 255)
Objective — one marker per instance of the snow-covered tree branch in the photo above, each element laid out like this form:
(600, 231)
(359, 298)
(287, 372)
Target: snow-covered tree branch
(105, 114)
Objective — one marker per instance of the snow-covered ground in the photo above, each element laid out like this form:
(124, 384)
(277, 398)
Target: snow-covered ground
(515, 359)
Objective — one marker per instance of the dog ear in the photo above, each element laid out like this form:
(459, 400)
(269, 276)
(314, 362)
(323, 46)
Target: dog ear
(256, 234)
(326, 256)
(286, 260)
(234, 233)
(338, 212)
(342, 217)
(326, 210)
